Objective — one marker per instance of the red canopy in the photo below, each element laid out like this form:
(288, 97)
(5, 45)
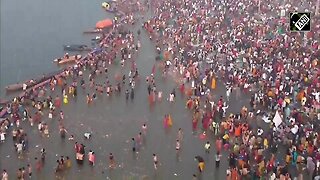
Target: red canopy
(104, 24)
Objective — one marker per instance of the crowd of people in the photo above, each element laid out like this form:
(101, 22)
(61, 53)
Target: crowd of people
(243, 45)
(249, 48)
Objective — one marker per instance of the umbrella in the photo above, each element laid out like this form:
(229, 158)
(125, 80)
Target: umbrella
(104, 24)
(199, 158)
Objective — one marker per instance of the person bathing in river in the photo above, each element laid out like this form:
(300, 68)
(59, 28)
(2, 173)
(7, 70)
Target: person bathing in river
(66, 56)
(132, 94)
(112, 163)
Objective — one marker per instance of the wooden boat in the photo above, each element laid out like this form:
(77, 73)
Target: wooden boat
(32, 82)
(19, 86)
(93, 31)
(71, 59)
(14, 87)
(75, 47)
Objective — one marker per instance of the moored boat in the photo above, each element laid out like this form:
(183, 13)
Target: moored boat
(75, 47)
(70, 59)
(93, 31)
(19, 86)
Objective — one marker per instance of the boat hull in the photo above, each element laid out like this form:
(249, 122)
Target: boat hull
(76, 48)
(71, 59)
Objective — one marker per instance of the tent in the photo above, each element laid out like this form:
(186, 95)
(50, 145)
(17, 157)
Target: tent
(277, 120)
(104, 24)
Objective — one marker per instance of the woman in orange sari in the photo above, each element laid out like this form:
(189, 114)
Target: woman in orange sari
(300, 95)
(237, 131)
(213, 83)
(234, 174)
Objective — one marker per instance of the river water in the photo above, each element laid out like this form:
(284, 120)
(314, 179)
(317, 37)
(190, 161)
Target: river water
(32, 34)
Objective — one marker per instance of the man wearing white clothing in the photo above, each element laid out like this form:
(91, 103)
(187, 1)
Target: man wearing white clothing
(24, 86)
(5, 175)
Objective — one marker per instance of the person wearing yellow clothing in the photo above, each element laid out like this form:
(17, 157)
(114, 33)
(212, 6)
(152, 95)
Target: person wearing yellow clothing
(213, 83)
(265, 143)
(200, 163)
(270, 93)
(65, 99)
(201, 166)
(226, 137)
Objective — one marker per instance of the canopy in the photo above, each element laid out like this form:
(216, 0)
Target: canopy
(104, 24)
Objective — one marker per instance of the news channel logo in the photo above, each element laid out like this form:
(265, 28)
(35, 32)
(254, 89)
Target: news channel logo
(300, 22)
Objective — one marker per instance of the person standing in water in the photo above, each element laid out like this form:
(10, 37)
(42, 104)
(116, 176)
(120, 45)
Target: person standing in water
(68, 162)
(43, 154)
(134, 144)
(29, 171)
(132, 94)
(127, 95)
(207, 147)
(92, 158)
(155, 161)
(111, 161)
(218, 158)
(180, 135)
(178, 146)
(5, 175)
(139, 140)
(144, 129)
